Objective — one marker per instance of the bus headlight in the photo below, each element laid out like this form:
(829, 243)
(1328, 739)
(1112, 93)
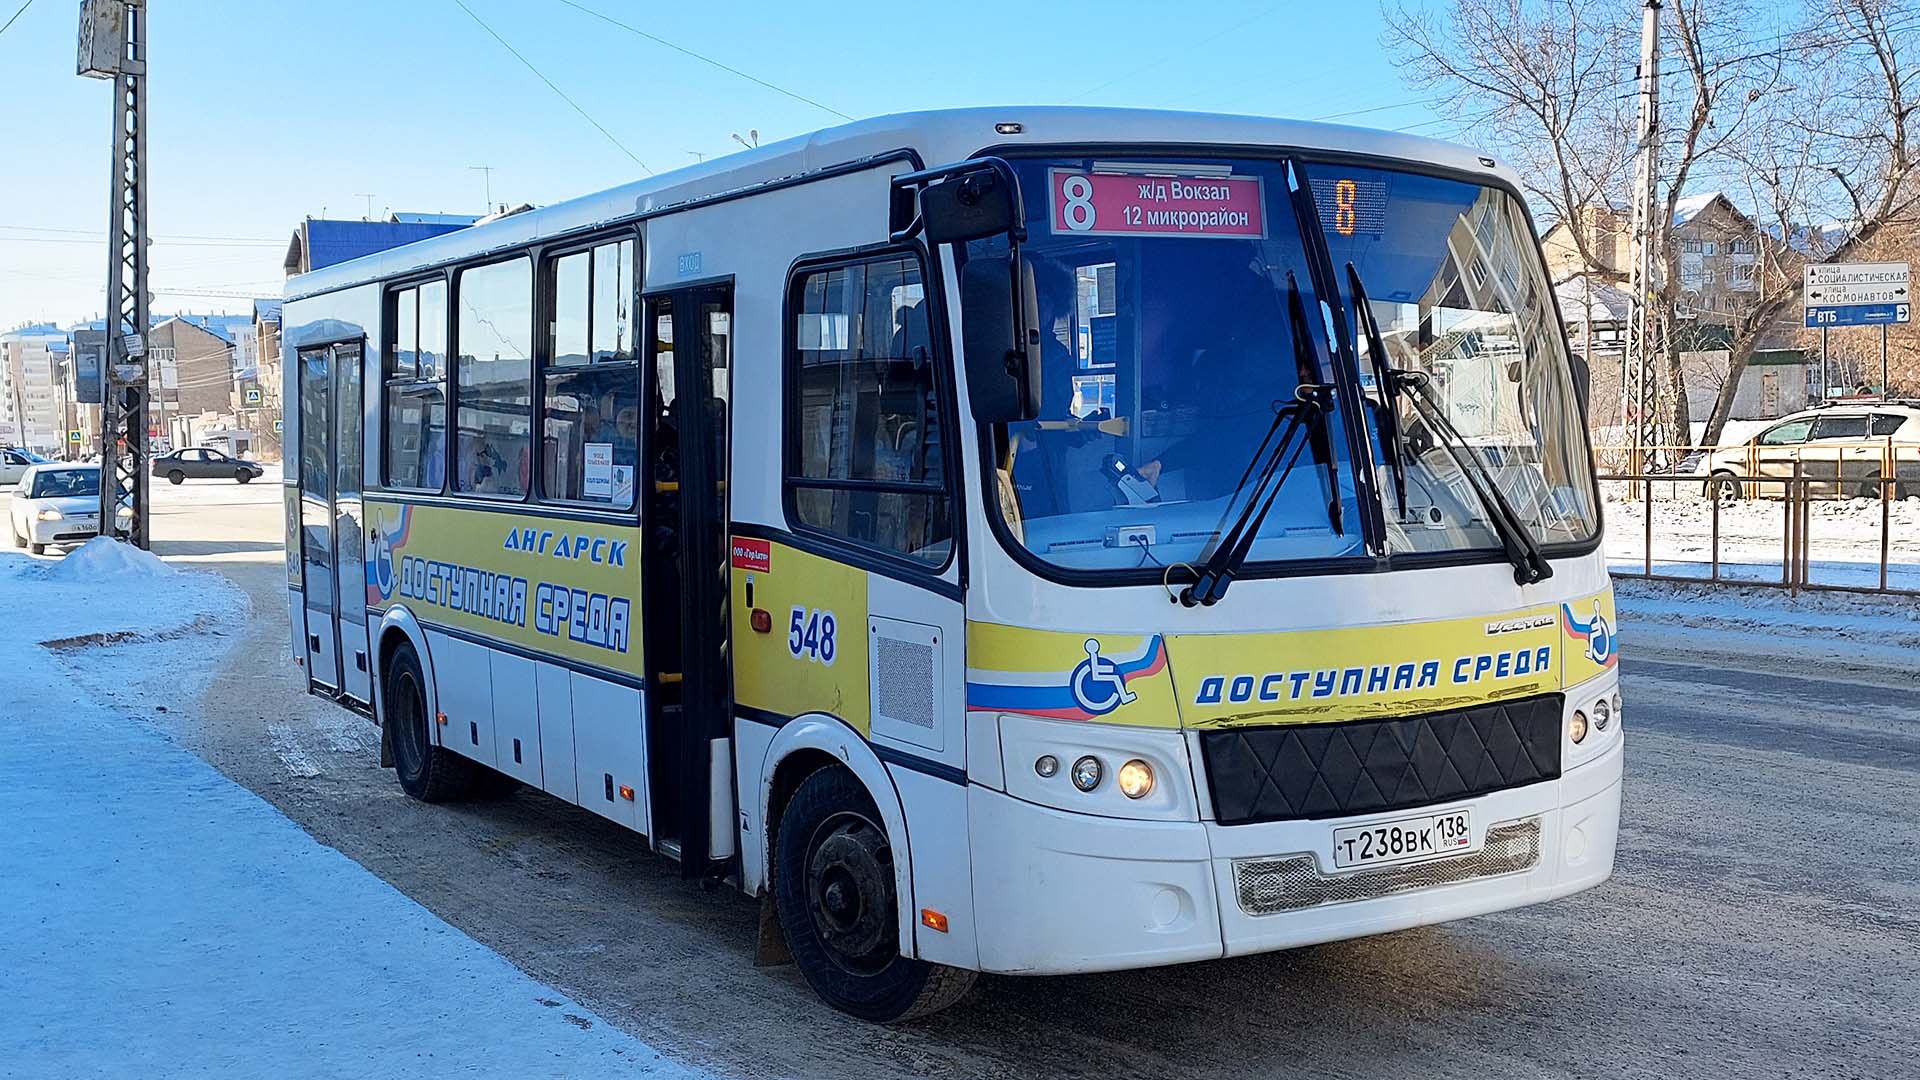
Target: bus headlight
(1086, 773)
(1046, 765)
(1602, 713)
(1577, 726)
(1135, 779)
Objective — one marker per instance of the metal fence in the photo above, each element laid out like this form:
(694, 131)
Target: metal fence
(1838, 517)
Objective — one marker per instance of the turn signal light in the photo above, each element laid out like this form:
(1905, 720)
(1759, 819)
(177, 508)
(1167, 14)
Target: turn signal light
(762, 621)
(933, 920)
(626, 792)
(442, 717)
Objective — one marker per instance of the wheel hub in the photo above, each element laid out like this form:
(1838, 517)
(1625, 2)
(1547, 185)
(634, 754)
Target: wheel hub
(850, 886)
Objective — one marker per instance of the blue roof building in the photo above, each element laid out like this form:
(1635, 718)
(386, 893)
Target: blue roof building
(320, 242)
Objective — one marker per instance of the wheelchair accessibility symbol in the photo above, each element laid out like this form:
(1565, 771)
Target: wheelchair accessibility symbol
(1098, 687)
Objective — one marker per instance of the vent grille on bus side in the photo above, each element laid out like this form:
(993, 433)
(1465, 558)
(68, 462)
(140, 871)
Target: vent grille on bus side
(1296, 771)
(905, 677)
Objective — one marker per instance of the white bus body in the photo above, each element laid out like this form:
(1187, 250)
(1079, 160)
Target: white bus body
(819, 566)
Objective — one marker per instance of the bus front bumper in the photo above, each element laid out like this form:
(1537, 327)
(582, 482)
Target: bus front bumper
(1078, 893)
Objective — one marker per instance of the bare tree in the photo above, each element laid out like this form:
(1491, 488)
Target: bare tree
(1550, 82)
(1542, 82)
(1835, 144)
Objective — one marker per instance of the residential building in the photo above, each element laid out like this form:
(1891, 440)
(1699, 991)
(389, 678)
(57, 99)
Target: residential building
(31, 409)
(1719, 267)
(321, 242)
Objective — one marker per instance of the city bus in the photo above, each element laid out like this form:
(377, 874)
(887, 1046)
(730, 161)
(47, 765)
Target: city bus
(1024, 540)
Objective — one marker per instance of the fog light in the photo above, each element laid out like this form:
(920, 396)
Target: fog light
(1135, 779)
(1602, 712)
(1086, 773)
(1046, 765)
(1577, 727)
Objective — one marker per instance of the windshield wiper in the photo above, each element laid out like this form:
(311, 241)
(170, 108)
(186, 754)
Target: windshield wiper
(1308, 410)
(1392, 439)
(1530, 564)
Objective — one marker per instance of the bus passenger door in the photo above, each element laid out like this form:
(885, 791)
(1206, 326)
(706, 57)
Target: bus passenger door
(349, 529)
(685, 594)
(316, 516)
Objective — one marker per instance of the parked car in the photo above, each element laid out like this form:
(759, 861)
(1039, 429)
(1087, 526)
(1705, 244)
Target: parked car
(1844, 451)
(14, 463)
(203, 462)
(56, 503)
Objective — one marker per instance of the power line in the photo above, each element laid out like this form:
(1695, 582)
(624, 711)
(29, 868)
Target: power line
(16, 16)
(550, 85)
(682, 49)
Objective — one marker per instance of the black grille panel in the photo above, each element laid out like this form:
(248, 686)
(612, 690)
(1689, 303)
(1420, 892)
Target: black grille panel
(1299, 771)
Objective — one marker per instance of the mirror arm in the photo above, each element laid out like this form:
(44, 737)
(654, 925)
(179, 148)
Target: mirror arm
(917, 180)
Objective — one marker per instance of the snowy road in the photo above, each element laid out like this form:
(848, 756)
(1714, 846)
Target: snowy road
(1762, 920)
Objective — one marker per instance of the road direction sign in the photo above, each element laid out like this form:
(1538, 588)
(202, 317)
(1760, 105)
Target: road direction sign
(1858, 315)
(1857, 294)
(1882, 273)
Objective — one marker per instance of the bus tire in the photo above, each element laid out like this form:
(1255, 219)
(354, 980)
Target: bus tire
(834, 891)
(427, 772)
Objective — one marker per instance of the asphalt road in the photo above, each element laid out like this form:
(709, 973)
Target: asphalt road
(1764, 917)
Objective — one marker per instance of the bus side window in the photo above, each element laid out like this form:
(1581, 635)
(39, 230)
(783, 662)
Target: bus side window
(415, 412)
(590, 378)
(865, 409)
(493, 382)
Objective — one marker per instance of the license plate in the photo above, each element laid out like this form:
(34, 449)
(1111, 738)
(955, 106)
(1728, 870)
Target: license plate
(1430, 836)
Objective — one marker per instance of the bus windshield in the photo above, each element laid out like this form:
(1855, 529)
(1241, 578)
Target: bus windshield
(1163, 289)
(1167, 348)
(1455, 286)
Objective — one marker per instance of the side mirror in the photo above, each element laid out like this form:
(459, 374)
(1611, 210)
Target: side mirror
(972, 206)
(1582, 381)
(1003, 370)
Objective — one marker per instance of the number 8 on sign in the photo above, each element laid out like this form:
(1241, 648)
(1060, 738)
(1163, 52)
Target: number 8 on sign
(1345, 217)
(1078, 212)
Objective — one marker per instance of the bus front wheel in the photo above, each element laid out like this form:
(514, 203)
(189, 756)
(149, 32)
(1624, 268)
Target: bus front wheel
(427, 772)
(834, 890)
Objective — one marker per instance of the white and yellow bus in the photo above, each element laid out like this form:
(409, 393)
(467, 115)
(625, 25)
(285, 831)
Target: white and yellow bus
(1016, 540)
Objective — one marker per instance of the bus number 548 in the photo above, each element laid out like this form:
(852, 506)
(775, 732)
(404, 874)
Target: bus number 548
(810, 633)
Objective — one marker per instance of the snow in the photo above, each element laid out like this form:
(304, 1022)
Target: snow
(1818, 627)
(1843, 537)
(101, 559)
(161, 920)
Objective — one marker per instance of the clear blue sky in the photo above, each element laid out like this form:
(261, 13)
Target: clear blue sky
(262, 114)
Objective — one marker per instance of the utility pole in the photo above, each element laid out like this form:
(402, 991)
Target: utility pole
(113, 45)
(1641, 392)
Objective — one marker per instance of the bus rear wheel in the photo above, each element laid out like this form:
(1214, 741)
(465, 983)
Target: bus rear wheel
(834, 890)
(427, 772)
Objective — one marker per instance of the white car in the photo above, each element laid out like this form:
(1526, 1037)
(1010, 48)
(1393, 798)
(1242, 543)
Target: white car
(1843, 451)
(55, 503)
(14, 464)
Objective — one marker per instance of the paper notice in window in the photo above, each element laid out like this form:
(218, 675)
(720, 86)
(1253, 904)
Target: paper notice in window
(597, 476)
(622, 485)
(1139, 204)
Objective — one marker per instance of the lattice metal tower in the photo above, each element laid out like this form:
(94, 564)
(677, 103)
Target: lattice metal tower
(113, 45)
(1640, 397)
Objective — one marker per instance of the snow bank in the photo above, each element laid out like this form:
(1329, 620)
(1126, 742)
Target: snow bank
(103, 557)
(1818, 627)
(163, 921)
(1843, 537)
